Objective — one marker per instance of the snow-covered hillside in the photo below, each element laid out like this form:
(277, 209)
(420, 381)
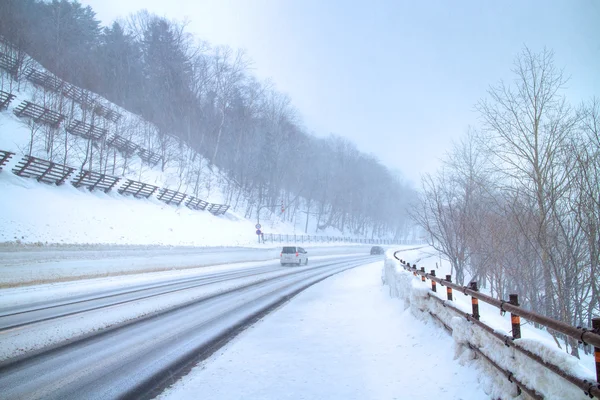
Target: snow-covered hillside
(35, 213)
(32, 212)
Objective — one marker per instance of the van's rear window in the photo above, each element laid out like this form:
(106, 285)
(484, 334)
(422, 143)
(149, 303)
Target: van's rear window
(289, 250)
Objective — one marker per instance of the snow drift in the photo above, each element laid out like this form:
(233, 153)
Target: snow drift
(415, 295)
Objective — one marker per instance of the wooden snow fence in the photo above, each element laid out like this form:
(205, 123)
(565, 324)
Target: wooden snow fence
(42, 170)
(95, 181)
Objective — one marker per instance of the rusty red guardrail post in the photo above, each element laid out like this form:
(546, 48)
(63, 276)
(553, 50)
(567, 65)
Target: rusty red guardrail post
(474, 300)
(515, 320)
(423, 276)
(448, 288)
(596, 328)
(433, 283)
(414, 268)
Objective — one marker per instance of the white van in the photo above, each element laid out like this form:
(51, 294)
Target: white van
(293, 255)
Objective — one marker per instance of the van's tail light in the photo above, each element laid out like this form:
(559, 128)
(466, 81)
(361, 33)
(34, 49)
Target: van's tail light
(280, 255)
(296, 254)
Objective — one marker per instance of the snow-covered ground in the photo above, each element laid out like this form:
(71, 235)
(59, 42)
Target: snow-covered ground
(31, 212)
(343, 338)
(45, 229)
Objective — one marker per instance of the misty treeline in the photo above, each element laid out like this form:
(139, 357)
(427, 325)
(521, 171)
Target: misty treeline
(207, 97)
(516, 204)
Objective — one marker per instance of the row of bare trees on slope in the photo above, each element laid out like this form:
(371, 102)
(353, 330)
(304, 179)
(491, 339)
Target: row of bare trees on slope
(516, 204)
(207, 97)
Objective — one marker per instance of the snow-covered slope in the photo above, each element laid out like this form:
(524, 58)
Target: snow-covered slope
(35, 213)
(31, 212)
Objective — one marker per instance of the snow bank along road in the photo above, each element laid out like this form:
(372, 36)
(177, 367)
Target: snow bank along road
(136, 339)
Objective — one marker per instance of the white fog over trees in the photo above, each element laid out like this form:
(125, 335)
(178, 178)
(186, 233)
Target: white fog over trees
(201, 106)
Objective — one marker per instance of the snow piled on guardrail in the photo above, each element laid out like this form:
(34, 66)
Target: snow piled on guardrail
(415, 295)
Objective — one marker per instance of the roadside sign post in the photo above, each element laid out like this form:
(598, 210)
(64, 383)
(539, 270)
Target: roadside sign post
(258, 226)
(258, 233)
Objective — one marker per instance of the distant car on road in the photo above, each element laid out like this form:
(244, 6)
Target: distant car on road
(293, 255)
(377, 250)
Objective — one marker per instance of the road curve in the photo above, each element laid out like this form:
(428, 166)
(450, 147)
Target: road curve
(138, 359)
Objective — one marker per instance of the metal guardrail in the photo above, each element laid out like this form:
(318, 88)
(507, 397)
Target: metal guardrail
(509, 375)
(287, 238)
(582, 335)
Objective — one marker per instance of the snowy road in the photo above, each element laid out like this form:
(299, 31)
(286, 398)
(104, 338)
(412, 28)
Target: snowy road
(23, 315)
(137, 357)
(31, 265)
(343, 338)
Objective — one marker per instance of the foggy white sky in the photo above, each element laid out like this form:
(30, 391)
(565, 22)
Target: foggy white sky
(398, 78)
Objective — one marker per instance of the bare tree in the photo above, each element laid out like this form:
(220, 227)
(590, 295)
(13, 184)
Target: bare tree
(440, 212)
(527, 126)
(228, 71)
(585, 185)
